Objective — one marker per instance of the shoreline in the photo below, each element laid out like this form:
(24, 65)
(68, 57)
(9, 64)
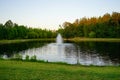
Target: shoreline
(24, 40)
(77, 39)
(59, 63)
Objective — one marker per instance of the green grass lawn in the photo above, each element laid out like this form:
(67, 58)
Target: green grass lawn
(21, 70)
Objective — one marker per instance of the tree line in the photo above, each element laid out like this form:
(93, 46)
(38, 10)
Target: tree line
(106, 26)
(11, 30)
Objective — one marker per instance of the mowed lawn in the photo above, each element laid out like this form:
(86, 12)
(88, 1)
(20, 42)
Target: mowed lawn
(21, 70)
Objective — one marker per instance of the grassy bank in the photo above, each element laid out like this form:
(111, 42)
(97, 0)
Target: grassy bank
(24, 40)
(78, 39)
(19, 70)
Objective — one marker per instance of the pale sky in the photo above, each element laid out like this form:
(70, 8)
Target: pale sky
(50, 14)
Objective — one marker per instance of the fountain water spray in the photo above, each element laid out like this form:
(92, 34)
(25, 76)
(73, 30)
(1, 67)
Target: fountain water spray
(59, 39)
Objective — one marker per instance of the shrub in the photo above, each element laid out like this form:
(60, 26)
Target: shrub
(27, 58)
(33, 58)
(17, 57)
(92, 34)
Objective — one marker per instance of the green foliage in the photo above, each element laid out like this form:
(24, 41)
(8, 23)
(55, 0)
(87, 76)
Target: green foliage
(106, 26)
(12, 30)
(17, 57)
(32, 34)
(92, 34)
(33, 58)
(9, 24)
(27, 58)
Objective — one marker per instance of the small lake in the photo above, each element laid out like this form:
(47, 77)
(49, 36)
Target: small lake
(85, 53)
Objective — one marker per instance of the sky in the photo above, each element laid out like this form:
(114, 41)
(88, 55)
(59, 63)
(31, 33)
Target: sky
(50, 14)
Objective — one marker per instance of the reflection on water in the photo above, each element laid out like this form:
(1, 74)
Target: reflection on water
(10, 49)
(51, 52)
(85, 53)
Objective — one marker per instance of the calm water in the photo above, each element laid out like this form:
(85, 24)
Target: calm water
(85, 53)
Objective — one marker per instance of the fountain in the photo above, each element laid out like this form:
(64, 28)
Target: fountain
(59, 39)
(63, 52)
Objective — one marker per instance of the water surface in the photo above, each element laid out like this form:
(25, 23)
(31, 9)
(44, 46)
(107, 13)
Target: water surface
(85, 53)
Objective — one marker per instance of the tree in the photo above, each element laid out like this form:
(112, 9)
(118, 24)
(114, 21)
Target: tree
(9, 24)
(105, 26)
(32, 35)
(92, 34)
(2, 31)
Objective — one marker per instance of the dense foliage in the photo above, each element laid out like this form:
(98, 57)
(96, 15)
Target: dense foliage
(106, 26)
(12, 30)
